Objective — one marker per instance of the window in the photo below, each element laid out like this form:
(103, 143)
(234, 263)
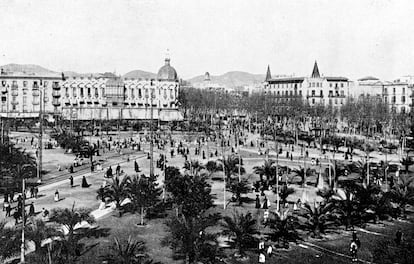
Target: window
(403, 90)
(45, 83)
(393, 99)
(393, 90)
(171, 94)
(96, 92)
(313, 92)
(403, 99)
(102, 92)
(74, 94)
(330, 93)
(342, 85)
(139, 93)
(385, 90)
(321, 93)
(165, 93)
(81, 92)
(35, 86)
(24, 84)
(89, 92)
(67, 92)
(313, 100)
(342, 93)
(278, 92)
(300, 92)
(14, 83)
(330, 85)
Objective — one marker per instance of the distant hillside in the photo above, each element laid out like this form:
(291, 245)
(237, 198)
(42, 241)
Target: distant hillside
(140, 74)
(232, 79)
(26, 68)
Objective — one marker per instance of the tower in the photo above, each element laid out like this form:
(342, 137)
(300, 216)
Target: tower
(315, 72)
(268, 74)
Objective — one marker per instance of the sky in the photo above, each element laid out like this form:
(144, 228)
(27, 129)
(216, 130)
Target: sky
(353, 38)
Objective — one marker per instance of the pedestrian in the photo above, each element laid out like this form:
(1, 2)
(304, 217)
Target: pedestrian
(398, 237)
(257, 202)
(31, 192)
(7, 206)
(291, 157)
(136, 167)
(31, 210)
(266, 216)
(265, 203)
(118, 169)
(71, 181)
(36, 191)
(56, 196)
(84, 182)
(16, 216)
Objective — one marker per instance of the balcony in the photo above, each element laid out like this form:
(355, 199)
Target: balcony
(314, 96)
(14, 102)
(14, 93)
(56, 93)
(55, 102)
(36, 102)
(55, 86)
(36, 93)
(14, 87)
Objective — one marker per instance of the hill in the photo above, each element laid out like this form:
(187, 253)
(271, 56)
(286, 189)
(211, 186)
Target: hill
(136, 74)
(26, 68)
(232, 79)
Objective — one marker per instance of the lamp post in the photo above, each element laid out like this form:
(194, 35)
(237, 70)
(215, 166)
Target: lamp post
(151, 131)
(41, 104)
(22, 247)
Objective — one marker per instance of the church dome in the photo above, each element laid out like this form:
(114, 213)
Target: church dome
(167, 72)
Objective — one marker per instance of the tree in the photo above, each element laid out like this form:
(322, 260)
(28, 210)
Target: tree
(69, 218)
(319, 218)
(241, 229)
(284, 228)
(193, 166)
(118, 189)
(11, 241)
(284, 193)
(128, 252)
(403, 193)
(267, 169)
(37, 231)
(144, 193)
(188, 239)
(231, 166)
(191, 194)
(302, 174)
(238, 188)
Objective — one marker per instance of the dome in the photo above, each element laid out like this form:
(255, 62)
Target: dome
(166, 72)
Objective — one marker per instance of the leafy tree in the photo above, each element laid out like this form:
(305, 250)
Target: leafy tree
(193, 166)
(238, 188)
(192, 194)
(385, 252)
(241, 229)
(144, 193)
(37, 231)
(302, 174)
(319, 218)
(283, 227)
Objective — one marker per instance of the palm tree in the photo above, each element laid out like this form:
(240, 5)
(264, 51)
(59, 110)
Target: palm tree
(241, 229)
(69, 218)
(10, 244)
(118, 189)
(302, 174)
(231, 166)
(37, 231)
(319, 218)
(193, 166)
(238, 188)
(403, 193)
(128, 252)
(284, 193)
(284, 228)
(267, 169)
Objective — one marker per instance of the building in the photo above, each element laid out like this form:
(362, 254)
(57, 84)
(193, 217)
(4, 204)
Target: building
(102, 97)
(208, 84)
(397, 94)
(315, 89)
(22, 94)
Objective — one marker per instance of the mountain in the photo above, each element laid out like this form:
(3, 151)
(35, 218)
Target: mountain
(26, 68)
(140, 74)
(232, 79)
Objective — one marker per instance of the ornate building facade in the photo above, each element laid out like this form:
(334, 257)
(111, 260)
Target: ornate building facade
(315, 89)
(93, 98)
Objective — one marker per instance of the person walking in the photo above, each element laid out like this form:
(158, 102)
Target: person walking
(36, 191)
(7, 206)
(56, 198)
(118, 170)
(31, 210)
(71, 181)
(84, 182)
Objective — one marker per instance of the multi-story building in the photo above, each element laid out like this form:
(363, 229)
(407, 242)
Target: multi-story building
(102, 97)
(315, 89)
(23, 94)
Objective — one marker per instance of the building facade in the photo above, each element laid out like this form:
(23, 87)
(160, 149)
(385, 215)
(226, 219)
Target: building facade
(315, 89)
(103, 97)
(23, 95)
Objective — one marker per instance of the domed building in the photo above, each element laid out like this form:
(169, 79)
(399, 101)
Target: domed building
(112, 97)
(167, 72)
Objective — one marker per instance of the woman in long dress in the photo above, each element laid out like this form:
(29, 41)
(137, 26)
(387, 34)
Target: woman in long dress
(57, 196)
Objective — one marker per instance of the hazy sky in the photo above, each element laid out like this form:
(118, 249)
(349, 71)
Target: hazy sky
(347, 38)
